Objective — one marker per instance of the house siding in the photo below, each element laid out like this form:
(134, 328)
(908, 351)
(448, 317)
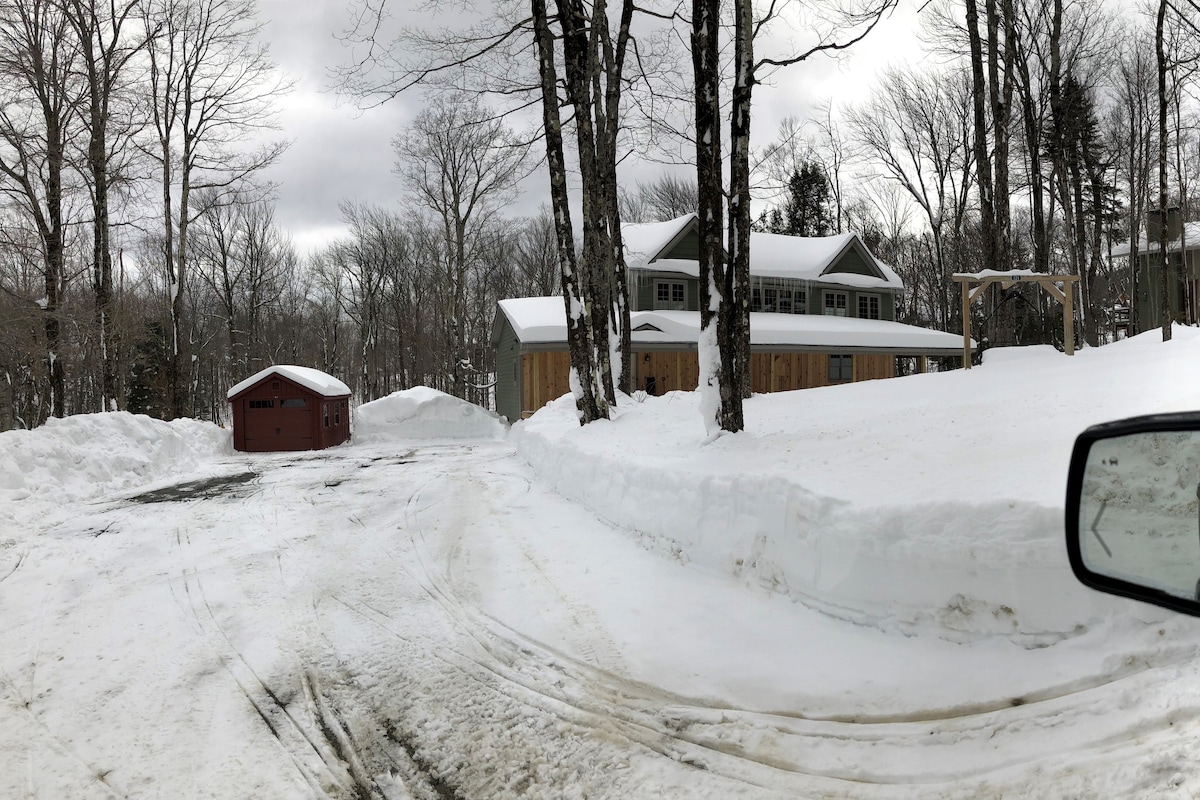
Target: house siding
(686, 248)
(643, 293)
(853, 263)
(1150, 289)
(545, 377)
(546, 374)
(508, 378)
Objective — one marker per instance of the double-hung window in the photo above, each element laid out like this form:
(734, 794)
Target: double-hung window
(835, 304)
(670, 296)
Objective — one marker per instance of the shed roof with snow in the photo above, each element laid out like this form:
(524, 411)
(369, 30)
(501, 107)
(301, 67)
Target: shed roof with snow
(315, 380)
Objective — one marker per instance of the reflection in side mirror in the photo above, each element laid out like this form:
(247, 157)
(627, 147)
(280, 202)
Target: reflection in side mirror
(1133, 509)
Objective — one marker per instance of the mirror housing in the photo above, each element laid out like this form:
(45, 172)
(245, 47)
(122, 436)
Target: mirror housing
(1133, 509)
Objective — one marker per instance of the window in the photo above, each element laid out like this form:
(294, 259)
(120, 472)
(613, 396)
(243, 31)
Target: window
(325, 413)
(778, 295)
(868, 306)
(262, 403)
(337, 413)
(841, 369)
(294, 402)
(670, 296)
(275, 386)
(835, 304)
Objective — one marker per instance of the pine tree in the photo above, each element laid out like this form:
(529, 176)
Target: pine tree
(807, 209)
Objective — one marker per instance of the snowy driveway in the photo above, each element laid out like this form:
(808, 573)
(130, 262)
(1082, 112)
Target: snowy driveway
(393, 621)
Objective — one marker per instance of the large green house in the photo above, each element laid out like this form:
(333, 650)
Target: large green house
(822, 313)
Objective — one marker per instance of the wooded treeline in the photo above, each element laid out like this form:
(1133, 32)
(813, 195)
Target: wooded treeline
(141, 266)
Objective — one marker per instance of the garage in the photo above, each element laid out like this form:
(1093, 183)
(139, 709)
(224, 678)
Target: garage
(287, 407)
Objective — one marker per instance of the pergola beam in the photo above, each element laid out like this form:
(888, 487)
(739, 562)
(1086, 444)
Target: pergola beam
(973, 286)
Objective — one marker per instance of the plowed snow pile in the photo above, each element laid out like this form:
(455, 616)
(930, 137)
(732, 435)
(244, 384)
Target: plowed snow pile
(91, 454)
(424, 413)
(927, 499)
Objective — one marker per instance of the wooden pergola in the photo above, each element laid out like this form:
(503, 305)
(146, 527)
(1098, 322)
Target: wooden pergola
(974, 284)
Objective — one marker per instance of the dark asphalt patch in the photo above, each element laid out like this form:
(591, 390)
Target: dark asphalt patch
(221, 486)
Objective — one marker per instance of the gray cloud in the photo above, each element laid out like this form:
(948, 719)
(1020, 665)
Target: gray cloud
(339, 153)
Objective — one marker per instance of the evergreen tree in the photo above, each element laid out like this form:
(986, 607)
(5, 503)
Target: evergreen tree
(807, 210)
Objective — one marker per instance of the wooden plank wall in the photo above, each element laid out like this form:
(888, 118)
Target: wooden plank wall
(870, 368)
(671, 371)
(544, 377)
(785, 372)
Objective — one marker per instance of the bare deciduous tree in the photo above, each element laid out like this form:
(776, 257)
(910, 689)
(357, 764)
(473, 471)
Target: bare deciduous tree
(463, 164)
(212, 86)
(38, 107)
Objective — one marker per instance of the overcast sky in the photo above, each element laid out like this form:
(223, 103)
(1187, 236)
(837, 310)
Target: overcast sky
(341, 153)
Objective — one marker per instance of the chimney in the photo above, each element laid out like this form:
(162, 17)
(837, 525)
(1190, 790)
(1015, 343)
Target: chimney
(1174, 224)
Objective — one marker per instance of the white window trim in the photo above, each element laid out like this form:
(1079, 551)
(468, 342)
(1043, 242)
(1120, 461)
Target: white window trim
(670, 305)
(878, 304)
(825, 307)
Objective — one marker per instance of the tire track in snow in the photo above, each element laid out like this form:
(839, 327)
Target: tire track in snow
(691, 722)
(276, 714)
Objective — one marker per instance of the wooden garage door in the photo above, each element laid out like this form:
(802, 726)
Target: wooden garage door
(278, 424)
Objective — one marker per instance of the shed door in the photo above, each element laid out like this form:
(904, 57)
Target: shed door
(284, 424)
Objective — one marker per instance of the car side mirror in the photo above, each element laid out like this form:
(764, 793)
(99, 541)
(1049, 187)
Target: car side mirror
(1133, 509)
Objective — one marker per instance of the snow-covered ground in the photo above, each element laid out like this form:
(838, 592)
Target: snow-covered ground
(865, 594)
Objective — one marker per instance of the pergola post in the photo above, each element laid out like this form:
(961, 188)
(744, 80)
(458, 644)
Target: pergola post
(1068, 319)
(966, 314)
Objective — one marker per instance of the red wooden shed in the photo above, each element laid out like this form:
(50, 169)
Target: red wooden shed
(286, 407)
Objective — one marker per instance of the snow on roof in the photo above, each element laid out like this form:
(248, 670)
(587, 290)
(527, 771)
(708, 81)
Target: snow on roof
(1191, 235)
(808, 258)
(683, 266)
(319, 382)
(771, 255)
(643, 241)
(542, 320)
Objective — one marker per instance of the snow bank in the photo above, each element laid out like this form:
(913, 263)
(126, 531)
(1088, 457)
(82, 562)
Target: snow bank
(424, 413)
(88, 455)
(933, 499)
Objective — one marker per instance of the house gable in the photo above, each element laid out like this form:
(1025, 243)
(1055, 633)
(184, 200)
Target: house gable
(853, 260)
(685, 246)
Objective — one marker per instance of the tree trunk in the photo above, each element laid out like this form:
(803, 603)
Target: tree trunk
(614, 66)
(581, 65)
(983, 169)
(737, 271)
(713, 345)
(589, 404)
(1164, 261)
